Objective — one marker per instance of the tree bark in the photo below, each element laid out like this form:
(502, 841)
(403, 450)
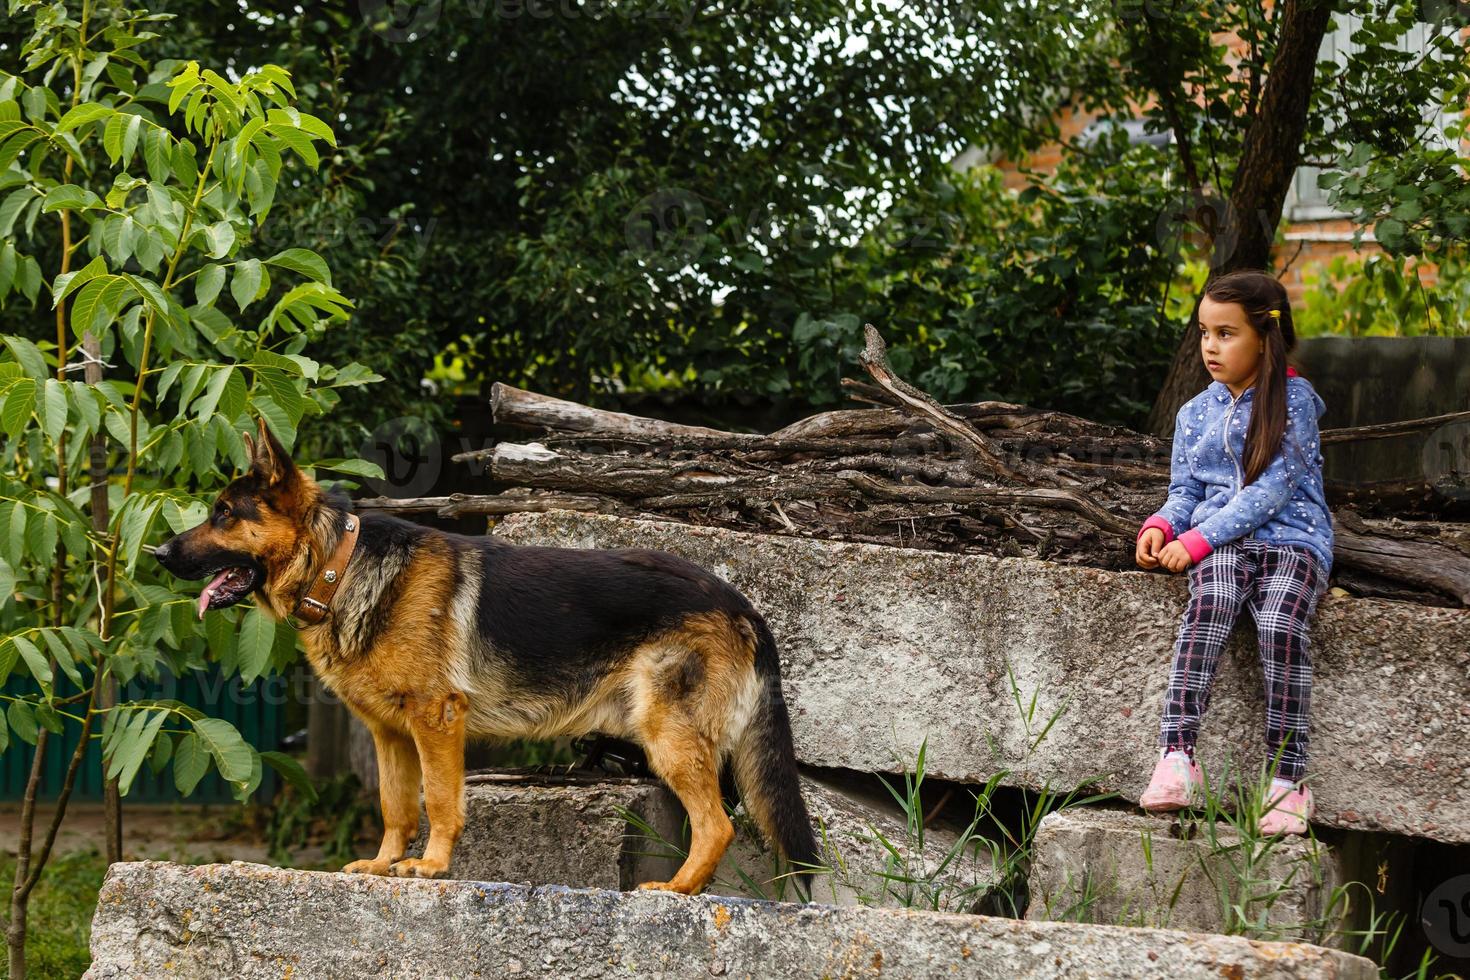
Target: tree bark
(1270, 154)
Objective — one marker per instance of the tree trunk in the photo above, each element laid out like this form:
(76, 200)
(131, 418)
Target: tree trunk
(1269, 158)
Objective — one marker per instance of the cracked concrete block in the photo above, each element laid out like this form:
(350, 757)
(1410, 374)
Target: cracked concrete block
(566, 830)
(881, 647)
(539, 830)
(1106, 866)
(848, 824)
(247, 920)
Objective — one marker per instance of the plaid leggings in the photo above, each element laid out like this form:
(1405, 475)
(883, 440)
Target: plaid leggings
(1281, 585)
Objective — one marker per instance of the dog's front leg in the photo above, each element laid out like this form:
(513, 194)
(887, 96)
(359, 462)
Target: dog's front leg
(438, 725)
(398, 794)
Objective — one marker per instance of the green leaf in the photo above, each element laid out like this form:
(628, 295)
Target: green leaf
(182, 84)
(63, 656)
(11, 208)
(163, 750)
(298, 141)
(23, 720)
(12, 147)
(81, 115)
(219, 237)
(123, 740)
(206, 404)
(245, 284)
(7, 591)
(133, 529)
(280, 421)
(242, 789)
(231, 755)
(54, 398)
(49, 718)
(29, 356)
(355, 467)
(35, 660)
(130, 138)
(69, 196)
(18, 404)
(304, 121)
(98, 303)
(8, 265)
(257, 636)
(191, 762)
(303, 261)
(68, 282)
(208, 283)
(156, 149)
(138, 751)
(291, 770)
(232, 403)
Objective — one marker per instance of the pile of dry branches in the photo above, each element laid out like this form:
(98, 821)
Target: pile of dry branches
(990, 478)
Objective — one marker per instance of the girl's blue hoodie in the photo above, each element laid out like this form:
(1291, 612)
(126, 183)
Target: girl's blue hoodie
(1285, 505)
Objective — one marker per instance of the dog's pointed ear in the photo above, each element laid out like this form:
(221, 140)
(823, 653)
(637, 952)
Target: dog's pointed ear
(268, 458)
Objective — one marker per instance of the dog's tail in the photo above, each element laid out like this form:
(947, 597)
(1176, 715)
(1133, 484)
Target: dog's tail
(765, 768)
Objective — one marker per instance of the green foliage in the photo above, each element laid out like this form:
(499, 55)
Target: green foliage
(60, 922)
(717, 198)
(1400, 169)
(333, 815)
(161, 175)
(1387, 296)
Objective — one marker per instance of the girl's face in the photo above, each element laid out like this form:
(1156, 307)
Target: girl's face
(1229, 344)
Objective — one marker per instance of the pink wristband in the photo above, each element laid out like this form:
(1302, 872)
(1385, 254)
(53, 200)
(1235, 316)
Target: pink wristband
(1195, 544)
(1161, 524)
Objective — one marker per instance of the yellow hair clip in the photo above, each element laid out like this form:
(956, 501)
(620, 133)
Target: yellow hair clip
(1275, 314)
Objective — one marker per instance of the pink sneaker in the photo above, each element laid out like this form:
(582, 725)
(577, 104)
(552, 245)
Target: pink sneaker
(1176, 784)
(1290, 814)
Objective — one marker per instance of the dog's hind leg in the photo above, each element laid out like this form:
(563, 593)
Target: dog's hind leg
(686, 761)
(398, 795)
(438, 725)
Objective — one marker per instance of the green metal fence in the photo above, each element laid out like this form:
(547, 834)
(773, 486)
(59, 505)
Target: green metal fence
(257, 710)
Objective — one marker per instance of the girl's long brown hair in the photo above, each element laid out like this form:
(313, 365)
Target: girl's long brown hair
(1258, 294)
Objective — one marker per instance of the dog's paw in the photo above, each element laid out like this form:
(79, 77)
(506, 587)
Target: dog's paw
(373, 867)
(418, 868)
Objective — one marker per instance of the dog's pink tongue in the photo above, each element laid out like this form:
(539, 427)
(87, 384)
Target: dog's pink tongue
(209, 591)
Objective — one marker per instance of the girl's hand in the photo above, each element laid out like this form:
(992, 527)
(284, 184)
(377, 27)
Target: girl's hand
(1175, 557)
(1149, 544)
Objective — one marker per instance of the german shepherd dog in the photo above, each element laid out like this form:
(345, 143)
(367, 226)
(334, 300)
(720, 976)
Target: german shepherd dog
(433, 638)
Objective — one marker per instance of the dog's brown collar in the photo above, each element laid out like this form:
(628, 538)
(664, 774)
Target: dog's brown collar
(317, 603)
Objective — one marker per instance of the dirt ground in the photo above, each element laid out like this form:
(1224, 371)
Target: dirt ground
(194, 834)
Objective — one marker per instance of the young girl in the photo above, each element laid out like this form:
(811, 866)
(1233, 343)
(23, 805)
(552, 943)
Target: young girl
(1246, 515)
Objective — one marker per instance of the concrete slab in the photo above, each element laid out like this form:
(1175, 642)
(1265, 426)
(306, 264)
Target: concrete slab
(524, 829)
(244, 921)
(1105, 866)
(882, 647)
(519, 828)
